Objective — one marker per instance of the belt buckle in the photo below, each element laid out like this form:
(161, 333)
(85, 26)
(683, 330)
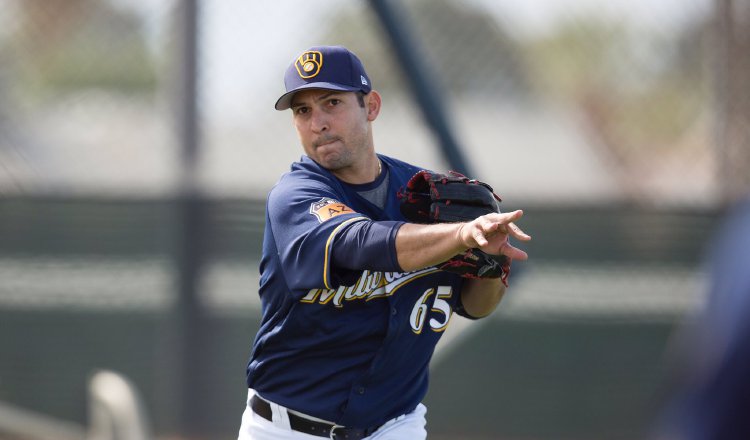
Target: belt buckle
(332, 434)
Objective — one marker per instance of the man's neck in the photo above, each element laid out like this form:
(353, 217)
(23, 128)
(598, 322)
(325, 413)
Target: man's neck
(367, 173)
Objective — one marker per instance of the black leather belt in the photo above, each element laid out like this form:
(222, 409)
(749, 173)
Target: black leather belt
(301, 424)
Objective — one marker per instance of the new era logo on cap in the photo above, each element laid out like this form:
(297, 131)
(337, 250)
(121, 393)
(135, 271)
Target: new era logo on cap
(324, 67)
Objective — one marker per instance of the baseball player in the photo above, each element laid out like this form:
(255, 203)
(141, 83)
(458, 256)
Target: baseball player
(355, 297)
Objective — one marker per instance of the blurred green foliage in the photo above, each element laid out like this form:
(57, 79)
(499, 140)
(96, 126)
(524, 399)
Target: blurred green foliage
(65, 46)
(637, 90)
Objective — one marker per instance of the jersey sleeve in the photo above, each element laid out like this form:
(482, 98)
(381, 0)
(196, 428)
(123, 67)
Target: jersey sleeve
(367, 245)
(305, 218)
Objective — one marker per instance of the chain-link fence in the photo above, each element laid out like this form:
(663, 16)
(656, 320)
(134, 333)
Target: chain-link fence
(572, 103)
(621, 129)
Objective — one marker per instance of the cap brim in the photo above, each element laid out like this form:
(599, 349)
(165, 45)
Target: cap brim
(285, 102)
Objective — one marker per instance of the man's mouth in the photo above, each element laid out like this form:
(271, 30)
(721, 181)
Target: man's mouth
(325, 141)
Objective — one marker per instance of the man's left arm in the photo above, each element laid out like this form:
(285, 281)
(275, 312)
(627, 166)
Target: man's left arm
(480, 297)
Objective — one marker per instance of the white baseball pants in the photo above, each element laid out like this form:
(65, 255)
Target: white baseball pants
(409, 426)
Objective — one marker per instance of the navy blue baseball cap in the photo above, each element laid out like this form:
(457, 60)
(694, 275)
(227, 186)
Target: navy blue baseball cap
(324, 67)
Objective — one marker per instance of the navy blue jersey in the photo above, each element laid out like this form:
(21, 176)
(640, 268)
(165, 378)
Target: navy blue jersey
(348, 346)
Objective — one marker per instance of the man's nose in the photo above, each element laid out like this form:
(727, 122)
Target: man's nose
(319, 121)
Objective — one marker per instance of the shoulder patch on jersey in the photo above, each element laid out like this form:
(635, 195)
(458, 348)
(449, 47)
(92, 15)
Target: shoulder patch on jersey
(326, 209)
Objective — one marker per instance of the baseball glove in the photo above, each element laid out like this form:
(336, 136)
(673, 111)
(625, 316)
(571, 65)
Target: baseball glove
(445, 198)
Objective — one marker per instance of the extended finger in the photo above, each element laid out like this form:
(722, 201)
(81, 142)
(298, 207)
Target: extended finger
(505, 217)
(516, 232)
(513, 252)
(489, 227)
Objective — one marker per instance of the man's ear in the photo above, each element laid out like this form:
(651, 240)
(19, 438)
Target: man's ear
(372, 104)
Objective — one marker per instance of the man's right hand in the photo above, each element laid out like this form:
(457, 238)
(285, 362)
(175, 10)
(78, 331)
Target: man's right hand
(490, 233)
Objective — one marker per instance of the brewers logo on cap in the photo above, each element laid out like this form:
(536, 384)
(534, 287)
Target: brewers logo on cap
(309, 63)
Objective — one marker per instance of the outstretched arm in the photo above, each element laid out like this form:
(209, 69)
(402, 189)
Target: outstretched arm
(419, 246)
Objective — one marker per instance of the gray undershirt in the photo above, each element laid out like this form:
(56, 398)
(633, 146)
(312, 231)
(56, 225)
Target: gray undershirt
(379, 195)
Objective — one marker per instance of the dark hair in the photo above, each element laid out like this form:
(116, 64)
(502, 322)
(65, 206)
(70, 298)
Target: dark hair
(361, 98)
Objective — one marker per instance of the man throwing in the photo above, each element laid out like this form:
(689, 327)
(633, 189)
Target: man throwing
(354, 296)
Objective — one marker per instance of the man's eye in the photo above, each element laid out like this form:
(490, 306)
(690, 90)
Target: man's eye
(301, 110)
(335, 101)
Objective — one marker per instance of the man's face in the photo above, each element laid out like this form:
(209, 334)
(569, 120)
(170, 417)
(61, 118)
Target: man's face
(333, 127)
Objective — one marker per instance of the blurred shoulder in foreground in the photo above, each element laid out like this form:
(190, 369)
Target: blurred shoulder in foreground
(712, 394)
